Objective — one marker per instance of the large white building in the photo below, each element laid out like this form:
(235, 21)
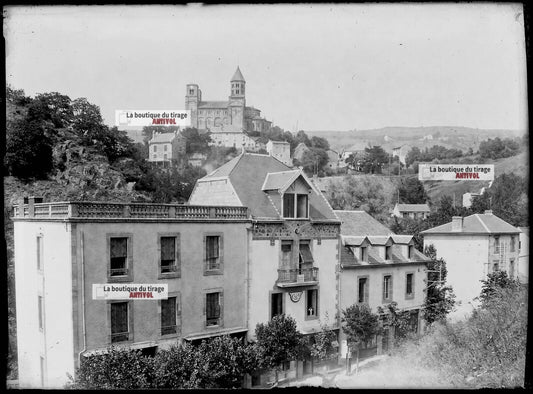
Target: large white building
(473, 247)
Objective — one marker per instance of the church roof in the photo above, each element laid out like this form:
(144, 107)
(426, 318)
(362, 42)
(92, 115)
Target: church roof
(213, 104)
(237, 76)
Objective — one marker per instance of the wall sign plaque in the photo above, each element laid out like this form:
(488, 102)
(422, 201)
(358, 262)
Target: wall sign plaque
(295, 297)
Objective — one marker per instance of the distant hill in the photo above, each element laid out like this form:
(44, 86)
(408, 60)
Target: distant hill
(390, 137)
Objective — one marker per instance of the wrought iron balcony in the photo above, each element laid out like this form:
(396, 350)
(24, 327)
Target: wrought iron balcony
(294, 277)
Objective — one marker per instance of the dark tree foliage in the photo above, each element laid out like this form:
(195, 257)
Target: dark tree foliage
(410, 226)
(319, 142)
(491, 286)
(411, 191)
(196, 141)
(313, 161)
(507, 198)
(499, 148)
(28, 150)
(277, 341)
(445, 211)
(440, 299)
(375, 159)
(360, 324)
(436, 152)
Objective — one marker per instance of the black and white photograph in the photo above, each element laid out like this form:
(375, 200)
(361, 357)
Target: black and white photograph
(266, 196)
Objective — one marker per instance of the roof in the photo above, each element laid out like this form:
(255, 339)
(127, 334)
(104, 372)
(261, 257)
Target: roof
(413, 207)
(213, 104)
(247, 174)
(524, 230)
(476, 224)
(278, 180)
(162, 137)
(360, 223)
(237, 76)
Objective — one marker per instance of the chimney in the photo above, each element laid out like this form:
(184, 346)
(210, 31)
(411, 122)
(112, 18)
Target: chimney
(457, 223)
(488, 212)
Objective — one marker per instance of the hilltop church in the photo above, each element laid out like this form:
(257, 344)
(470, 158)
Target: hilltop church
(228, 121)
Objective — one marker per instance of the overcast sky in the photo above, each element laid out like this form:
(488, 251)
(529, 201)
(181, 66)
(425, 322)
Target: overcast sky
(323, 67)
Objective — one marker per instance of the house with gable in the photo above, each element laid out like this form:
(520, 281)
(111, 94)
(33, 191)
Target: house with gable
(378, 267)
(473, 247)
(292, 243)
(165, 147)
(413, 211)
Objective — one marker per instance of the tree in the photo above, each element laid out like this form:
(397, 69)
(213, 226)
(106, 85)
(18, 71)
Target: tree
(491, 286)
(412, 191)
(398, 320)
(176, 367)
(445, 211)
(440, 299)
(313, 161)
(196, 141)
(361, 325)
(322, 347)
(375, 159)
(28, 150)
(114, 369)
(507, 198)
(277, 341)
(413, 155)
(319, 142)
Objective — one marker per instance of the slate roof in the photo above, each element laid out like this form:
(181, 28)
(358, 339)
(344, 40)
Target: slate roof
(360, 223)
(277, 180)
(213, 104)
(237, 76)
(247, 173)
(163, 137)
(477, 224)
(413, 207)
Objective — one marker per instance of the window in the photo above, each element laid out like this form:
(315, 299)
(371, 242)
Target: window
(410, 252)
(212, 309)
(497, 244)
(388, 252)
(362, 290)
(118, 256)
(513, 243)
(511, 268)
(154, 156)
(155, 148)
(364, 253)
(288, 205)
(212, 252)
(168, 316)
(169, 256)
(40, 306)
(286, 254)
(119, 322)
(311, 303)
(495, 267)
(165, 156)
(387, 288)
(165, 147)
(409, 292)
(40, 252)
(301, 206)
(191, 91)
(305, 253)
(276, 303)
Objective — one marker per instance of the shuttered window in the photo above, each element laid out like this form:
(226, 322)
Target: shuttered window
(212, 309)
(212, 252)
(119, 256)
(168, 316)
(409, 285)
(305, 253)
(288, 205)
(168, 254)
(363, 290)
(119, 322)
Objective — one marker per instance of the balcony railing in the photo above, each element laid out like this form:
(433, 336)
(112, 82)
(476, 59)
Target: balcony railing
(297, 277)
(101, 210)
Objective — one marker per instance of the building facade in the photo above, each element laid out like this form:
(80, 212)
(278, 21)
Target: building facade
(293, 243)
(281, 150)
(473, 247)
(165, 147)
(378, 267)
(62, 249)
(412, 211)
(228, 121)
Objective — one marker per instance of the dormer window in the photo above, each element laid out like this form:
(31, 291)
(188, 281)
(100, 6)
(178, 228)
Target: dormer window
(388, 252)
(364, 253)
(410, 252)
(295, 205)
